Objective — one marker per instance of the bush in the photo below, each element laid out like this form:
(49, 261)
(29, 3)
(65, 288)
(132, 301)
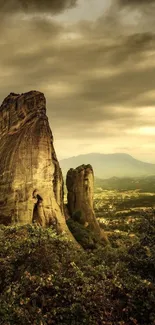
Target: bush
(84, 236)
(45, 279)
(78, 217)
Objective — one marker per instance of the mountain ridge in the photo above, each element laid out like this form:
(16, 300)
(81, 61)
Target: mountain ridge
(110, 165)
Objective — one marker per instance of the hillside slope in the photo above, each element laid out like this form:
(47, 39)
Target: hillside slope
(143, 184)
(45, 280)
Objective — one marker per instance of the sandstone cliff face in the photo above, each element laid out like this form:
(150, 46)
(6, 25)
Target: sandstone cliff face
(31, 184)
(80, 186)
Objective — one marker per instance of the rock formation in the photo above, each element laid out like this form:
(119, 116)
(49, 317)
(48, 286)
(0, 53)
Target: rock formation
(31, 184)
(80, 186)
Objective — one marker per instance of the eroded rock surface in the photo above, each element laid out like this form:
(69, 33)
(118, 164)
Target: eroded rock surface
(80, 187)
(31, 184)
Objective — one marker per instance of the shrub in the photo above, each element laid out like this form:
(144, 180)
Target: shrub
(85, 237)
(78, 217)
(45, 279)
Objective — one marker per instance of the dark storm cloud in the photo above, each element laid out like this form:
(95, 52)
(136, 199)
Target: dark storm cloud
(28, 6)
(140, 41)
(52, 61)
(123, 89)
(135, 2)
(87, 71)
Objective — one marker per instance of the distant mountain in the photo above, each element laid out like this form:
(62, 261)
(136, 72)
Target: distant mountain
(109, 165)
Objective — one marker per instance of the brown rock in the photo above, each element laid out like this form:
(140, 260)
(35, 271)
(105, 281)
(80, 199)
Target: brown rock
(31, 184)
(80, 186)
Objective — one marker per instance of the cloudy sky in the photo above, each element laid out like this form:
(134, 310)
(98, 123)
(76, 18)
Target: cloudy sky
(95, 62)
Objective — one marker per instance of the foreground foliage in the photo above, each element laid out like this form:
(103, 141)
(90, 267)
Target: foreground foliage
(44, 279)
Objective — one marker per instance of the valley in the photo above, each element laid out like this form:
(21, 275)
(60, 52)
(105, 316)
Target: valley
(119, 211)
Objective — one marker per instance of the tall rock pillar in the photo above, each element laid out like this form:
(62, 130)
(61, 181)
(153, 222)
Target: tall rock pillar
(80, 186)
(31, 184)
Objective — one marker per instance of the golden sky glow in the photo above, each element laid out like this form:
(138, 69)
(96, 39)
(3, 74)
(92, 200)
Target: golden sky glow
(95, 62)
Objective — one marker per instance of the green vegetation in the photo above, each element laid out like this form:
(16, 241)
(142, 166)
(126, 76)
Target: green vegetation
(143, 184)
(86, 238)
(78, 217)
(115, 203)
(44, 279)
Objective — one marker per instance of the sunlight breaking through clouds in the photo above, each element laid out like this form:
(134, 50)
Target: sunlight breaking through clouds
(148, 131)
(96, 68)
